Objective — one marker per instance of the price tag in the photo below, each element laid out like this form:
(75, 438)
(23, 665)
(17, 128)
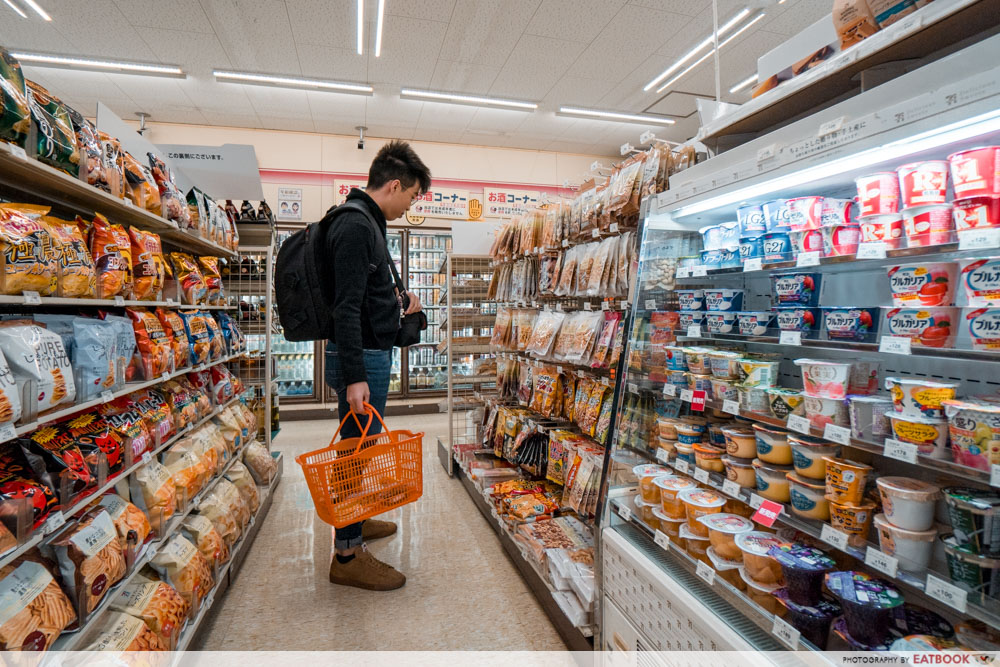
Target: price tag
(119, 301)
(128, 202)
(838, 434)
(790, 338)
(784, 631)
(995, 475)
(753, 264)
(650, 304)
(731, 488)
(756, 501)
(894, 345)
(768, 513)
(594, 233)
(874, 250)
(565, 243)
(701, 475)
(587, 306)
(732, 407)
(662, 455)
(699, 271)
(18, 152)
(670, 390)
(706, 572)
(661, 540)
(698, 400)
(808, 258)
(613, 227)
(798, 423)
(7, 432)
(559, 369)
(684, 272)
(625, 512)
(831, 126)
(694, 331)
(881, 561)
(946, 592)
(605, 305)
(973, 239)
(633, 388)
(107, 396)
(682, 466)
(55, 521)
(831, 535)
(899, 450)
(32, 298)
(170, 301)
(767, 152)
(686, 395)
(606, 381)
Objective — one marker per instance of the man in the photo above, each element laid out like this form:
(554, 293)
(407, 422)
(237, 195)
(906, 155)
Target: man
(366, 313)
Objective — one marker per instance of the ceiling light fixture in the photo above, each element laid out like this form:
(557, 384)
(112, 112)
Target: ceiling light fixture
(475, 100)
(66, 62)
(294, 82)
(705, 57)
(361, 26)
(38, 10)
(615, 115)
(708, 41)
(744, 83)
(378, 28)
(16, 8)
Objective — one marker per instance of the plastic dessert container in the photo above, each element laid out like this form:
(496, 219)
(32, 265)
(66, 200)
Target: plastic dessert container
(708, 458)
(808, 453)
(929, 435)
(854, 520)
(772, 445)
(722, 532)
(824, 379)
(823, 411)
(908, 503)
(669, 487)
(807, 498)
(740, 471)
(783, 402)
(803, 568)
(867, 604)
(923, 284)
(740, 441)
(845, 480)
(920, 397)
(812, 621)
(913, 548)
(699, 503)
(974, 430)
(759, 565)
(772, 481)
(646, 473)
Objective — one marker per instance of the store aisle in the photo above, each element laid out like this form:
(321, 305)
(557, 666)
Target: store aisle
(461, 592)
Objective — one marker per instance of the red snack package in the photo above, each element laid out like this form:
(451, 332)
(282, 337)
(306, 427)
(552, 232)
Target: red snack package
(153, 351)
(148, 271)
(111, 250)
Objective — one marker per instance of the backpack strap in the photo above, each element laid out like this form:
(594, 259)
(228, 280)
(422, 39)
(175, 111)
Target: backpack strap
(361, 208)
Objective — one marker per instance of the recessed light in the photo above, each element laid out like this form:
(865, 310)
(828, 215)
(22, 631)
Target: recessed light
(616, 115)
(294, 82)
(69, 62)
(474, 100)
(744, 83)
(708, 41)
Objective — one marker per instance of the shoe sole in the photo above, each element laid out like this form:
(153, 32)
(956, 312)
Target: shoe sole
(377, 537)
(367, 587)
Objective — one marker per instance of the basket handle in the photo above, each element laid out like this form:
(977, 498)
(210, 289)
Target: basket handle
(371, 412)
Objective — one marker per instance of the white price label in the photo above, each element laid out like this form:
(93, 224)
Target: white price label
(694, 331)
(699, 271)
(839, 434)
(594, 233)
(729, 487)
(128, 202)
(7, 432)
(147, 457)
(790, 338)
(684, 272)
(810, 258)
(107, 396)
(995, 475)
(55, 521)
(646, 137)
(588, 306)
(650, 304)
(946, 592)
(559, 369)
(613, 227)
(633, 388)
(170, 301)
(875, 250)
(706, 572)
(682, 466)
(730, 406)
(701, 475)
(32, 298)
(18, 152)
(661, 540)
(605, 305)
(687, 395)
(662, 455)
(973, 239)
(894, 345)
(831, 535)
(831, 126)
(799, 423)
(881, 561)
(606, 381)
(534, 251)
(899, 450)
(753, 264)
(756, 501)
(625, 512)
(565, 243)
(767, 152)
(625, 148)
(784, 631)
(119, 301)
(669, 390)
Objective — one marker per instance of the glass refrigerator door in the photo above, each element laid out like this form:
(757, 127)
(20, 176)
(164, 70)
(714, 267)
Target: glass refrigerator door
(427, 370)
(395, 244)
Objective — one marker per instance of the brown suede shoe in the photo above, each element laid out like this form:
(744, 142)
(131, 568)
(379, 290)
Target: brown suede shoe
(366, 571)
(373, 529)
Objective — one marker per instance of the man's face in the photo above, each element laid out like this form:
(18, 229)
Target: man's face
(400, 199)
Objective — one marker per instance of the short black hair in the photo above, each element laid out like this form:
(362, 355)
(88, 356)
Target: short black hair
(396, 160)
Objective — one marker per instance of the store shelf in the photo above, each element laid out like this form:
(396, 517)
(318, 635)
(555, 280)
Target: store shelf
(462, 264)
(466, 321)
(464, 294)
(104, 303)
(57, 187)
(580, 370)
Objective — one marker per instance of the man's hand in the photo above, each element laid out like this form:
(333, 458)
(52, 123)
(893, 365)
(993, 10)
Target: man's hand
(415, 305)
(357, 396)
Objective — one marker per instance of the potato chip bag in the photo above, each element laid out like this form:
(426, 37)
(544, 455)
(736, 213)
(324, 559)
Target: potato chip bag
(155, 409)
(174, 325)
(15, 118)
(18, 484)
(77, 275)
(147, 265)
(35, 353)
(125, 416)
(35, 609)
(157, 604)
(173, 203)
(213, 279)
(199, 336)
(57, 461)
(123, 633)
(91, 151)
(10, 397)
(125, 349)
(185, 569)
(188, 275)
(27, 253)
(56, 142)
(217, 343)
(92, 348)
(153, 355)
(111, 251)
(114, 164)
(140, 187)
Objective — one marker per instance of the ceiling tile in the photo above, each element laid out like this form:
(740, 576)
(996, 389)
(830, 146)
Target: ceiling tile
(256, 35)
(676, 104)
(439, 116)
(230, 118)
(334, 126)
(497, 120)
(409, 50)
(390, 131)
(27, 34)
(335, 63)
(793, 17)
(206, 93)
(431, 10)
(186, 15)
(577, 91)
(337, 107)
(95, 28)
(278, 101)
(199, 53)
(579, 20)
(485, 31)
(463, 77)
(686, 7)
(534, 67)
(286, 123)
(324, 22)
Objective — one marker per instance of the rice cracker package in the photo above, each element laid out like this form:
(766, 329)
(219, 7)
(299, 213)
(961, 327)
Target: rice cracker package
(27, 253)
(90, 558)
(35, 353)
(131, 524)
(111, 250)
(125, 633)
(153, 355)
(198, 335)
(148, 270)
(33, 609)
(184, 568)
(200, 531)
(157, 604)
(173, 325)
(155, 409)
(188, 276)
(152, 489)
(77, 275)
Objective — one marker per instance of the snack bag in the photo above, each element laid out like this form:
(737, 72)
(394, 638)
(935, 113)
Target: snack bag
(188, 275)
(91, 152)
(187, 469)
(213, 508)
(125, 349)
(199, 398)
(90, 558)
(140, 187)
(216, 343)
(130, 523)
(213, 280)
(202, 533)
(173, 204)
(198, 211)
(114, 164)
(212, 446)
(77, 275)
(152, 484)
(241, 478)
(35, 353)
(198, 335)
(18, 483)
(173, 325)
(15, 118)
(183, 566)
(33, 609)
(222, 385)
(124, 633)
(56, 460)
(157, 604)
(27, 253)
(230, 332)
(95, 435)
(92, 348)
(153, 354)
(10, 397)
(56, 144)
(111, 251)
(259, 461)
(156, 414)
(148, 272)
(233, 501)
(125, 416)
(229, 429)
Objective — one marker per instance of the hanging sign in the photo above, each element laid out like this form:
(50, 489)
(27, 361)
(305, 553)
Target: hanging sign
(441, 203)
(504, 203)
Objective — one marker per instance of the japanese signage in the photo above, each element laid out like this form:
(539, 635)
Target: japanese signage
(439, 203)
(342, 186)
(503, 203)
(229, 171)
(289, 204)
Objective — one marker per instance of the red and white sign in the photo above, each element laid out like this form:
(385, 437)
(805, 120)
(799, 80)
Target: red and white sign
(343, 186)
(507, 202)
(442, 203)
(698, 400)
(768, 513)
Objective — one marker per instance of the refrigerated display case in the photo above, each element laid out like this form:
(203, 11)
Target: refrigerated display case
(426, 368)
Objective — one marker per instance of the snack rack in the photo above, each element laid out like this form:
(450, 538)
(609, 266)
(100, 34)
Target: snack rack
(822, 154)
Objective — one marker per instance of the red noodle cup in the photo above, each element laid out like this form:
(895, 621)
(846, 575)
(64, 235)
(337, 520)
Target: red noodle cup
(977, 213)
(841, 240)
(878, 193)
(885, 228)
(808, 240)
(928, 225)
(923, 183)
(976, 172)
(805, 213)
(837, 212)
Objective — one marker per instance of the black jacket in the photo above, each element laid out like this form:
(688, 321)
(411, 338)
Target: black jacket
(365, 309)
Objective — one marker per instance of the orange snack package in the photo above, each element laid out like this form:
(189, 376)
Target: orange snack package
(188, 275)
(174, 326)
(213, 279)
(140, 187)
(147, 264)
(111, 251)
(77, 274)
(153, 354)
(27, 255)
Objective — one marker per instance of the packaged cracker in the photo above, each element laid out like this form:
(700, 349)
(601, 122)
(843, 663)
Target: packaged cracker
(77, 275)
(148, 271)
(184, 568)
(214, 508)
(56, 144)
(152, 489)
(199, 397)
(156, 604)
(33, 609)
(153, 357)
(10, 397)
(213, 279)
(241, 478)
(198, 335)
(125, 416)
(202, 533)
(35, 353)
(188, 470)
(111, 251)
(90, 558)
(182, 405)
(18, 484)
(130, 523)
(260, 462)
(229, 429)
(27, 252)
(126, 633)
(15, 118)
(174, 326)
(210, 436)
(188, 276)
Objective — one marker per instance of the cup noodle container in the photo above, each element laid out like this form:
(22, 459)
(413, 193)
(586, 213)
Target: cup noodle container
(976, 213)
(923, 284)
(885, 228)
(838, 212)
(805, 213)
(922, 183)
(933, 326)
(841, 240)
(981, 281)
(928, 225)
(878, 193)
(976, 172)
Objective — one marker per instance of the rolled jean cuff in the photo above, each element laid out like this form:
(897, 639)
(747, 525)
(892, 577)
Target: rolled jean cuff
(348, 537)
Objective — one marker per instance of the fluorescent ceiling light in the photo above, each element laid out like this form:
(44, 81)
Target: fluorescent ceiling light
(963, 130)
(47, 60)
(705, 57)
(744, 83)
(615, 115)
(294, 82)
(361, 26)
(410, 93)
(38, 10)
(378, 28)
(708, 41)
(16, 8)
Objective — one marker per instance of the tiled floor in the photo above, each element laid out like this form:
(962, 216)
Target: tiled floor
(461, 592)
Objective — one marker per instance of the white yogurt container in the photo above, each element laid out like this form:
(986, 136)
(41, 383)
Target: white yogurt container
(869, 417)
(908, 503)
(912, 548)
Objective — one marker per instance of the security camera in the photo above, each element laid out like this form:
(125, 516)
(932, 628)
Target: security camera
(361, 144)
(361, 136)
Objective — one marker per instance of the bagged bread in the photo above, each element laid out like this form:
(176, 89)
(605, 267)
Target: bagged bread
(26, 253)
(10, 397)
(157, 604)
(241, 478)
(152, 485)
(181, 564)
(35, 353)
(33, 609)
(131, 524)
(202, 533)
(90, 558)
(123, 633)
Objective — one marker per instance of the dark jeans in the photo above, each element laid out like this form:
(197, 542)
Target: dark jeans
(378, 365)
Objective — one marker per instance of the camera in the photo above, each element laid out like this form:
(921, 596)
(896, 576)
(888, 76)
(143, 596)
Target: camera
(361, 144)
(361, 136)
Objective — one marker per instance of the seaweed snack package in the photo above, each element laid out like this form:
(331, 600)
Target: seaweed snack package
(126, 347)
(148, 270)
(26, 253)
(188, 276)
(198, 335)
(212, 278)
(213, 508)
(222, 384)
(173, 325)
(77, 275)
(157, 605)
(216, 343)
(202, 533)
(91, 153)
(124, 632)
(15, 118)
(153, 357)
(125, 416)
(184, 568)
(10, 397)
(173, 203)
(187, 469)
(35, 353)
(111, 251)
(152, 489)
(131, 524)
(114, 164)
(17, 484)
(56, 144)
(90, 558)
(156, 416)
(33, 609)
(92, 348)
(241, 478)
(95, 435)
(140, 188)
(261, 464)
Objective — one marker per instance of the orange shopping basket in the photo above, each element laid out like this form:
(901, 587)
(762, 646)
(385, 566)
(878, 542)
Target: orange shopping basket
(357, 478)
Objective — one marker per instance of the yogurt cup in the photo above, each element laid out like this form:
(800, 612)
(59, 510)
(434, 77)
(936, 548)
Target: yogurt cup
(751, 219)
(740, 471)
(690, 299)
(807, 240)
(759, 566)
(688, 435)
(923, 284)
(854, 520)
(974, 430)
(669, 487)
(697, 359)
(856, 324)
(841, 240)
(689, 318)
(724, 390)
(729, 257)
(845, 480)
(720, 323)
(753, 399)
(976, 213)
(908, 503)
(724, 299)
(975, 172)
(708, 458)
(823, 411)
(772, 445)
(646, 473)
(700, 382)
(980, 279)
(756, 323)
(758, 372)
(684, 453)
(741, 441)
(975, 519)
(813, 622)
(772, 482)
(676, 360)
(803, 320)
(913, 548)
(838, 213)
(867, 604)
(776, 215)
(976, 573)
(984, 327)
(824, 379)
(922, 183)
(803, 568)
(869, 419)
(722, 532)
(751, 247)
(929, 225)
(777, 247)
(666, 428)
(699, 424)
(805, 213)
(808, 453)
(666, 445)
(699, 503)
(784, 402)
(887, 229)
(920, 397)
(929, 435)
(878, 193)
(715, 237)
(934, 326)
(807, 498)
